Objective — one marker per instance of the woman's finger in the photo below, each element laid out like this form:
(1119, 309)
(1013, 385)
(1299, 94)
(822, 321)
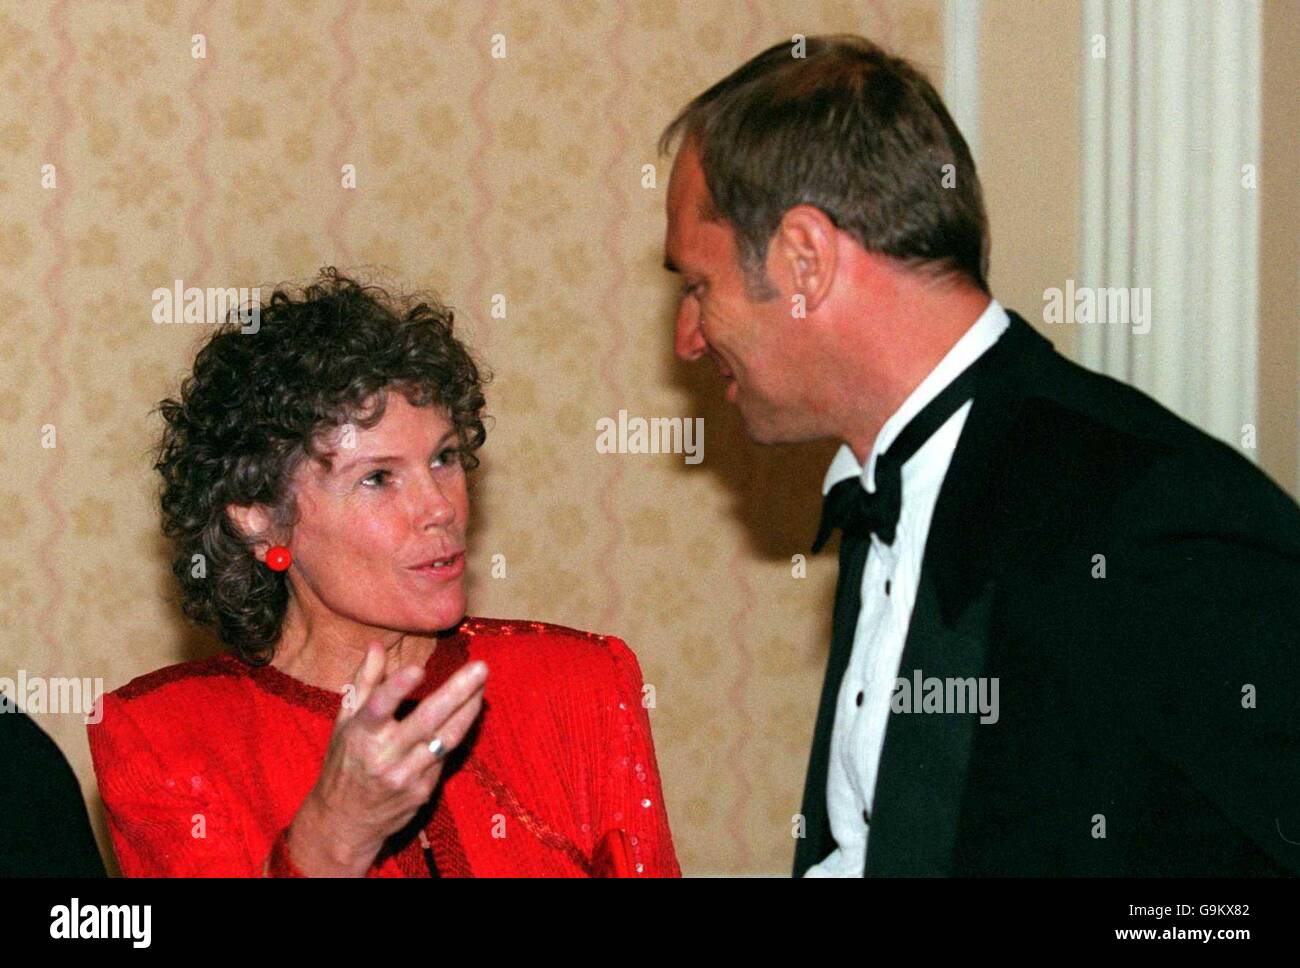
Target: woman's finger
(368, 673)
(419, 726)
(419, 760)
(384, 699)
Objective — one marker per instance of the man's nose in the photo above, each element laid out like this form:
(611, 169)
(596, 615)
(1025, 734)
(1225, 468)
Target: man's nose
(688, 341)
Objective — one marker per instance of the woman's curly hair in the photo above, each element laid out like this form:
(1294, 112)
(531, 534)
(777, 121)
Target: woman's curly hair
(258, 404)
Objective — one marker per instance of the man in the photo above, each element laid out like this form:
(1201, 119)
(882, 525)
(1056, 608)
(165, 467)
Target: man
(44, 828)
(1107, 599)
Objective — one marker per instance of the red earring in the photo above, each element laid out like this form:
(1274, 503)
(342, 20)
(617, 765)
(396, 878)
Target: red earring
(278, 558)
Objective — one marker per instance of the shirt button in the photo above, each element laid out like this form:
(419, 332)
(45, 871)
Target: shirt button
(858, 700)
(887, 583)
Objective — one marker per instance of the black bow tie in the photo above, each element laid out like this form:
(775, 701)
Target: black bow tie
(850, 508)
(859, 514)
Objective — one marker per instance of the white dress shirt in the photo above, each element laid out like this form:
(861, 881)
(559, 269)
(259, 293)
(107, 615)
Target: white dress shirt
(889, 585)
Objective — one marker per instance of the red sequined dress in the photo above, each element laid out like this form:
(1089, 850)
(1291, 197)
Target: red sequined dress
(203, 765)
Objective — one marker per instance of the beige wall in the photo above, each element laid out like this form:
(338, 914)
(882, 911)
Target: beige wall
(1029, 165)
(1279, 247)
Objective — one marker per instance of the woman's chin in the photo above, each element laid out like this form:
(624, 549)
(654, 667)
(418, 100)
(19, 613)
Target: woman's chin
(446, 613)
(450, 623)
(423, 614)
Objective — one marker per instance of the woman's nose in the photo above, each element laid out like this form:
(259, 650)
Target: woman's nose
(435, 508)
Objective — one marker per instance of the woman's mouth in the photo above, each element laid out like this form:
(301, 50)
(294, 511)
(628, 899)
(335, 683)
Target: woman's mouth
(443, 569)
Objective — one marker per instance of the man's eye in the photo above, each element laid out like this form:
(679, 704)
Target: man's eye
(690, 289)
(449, 456)
(373, 476)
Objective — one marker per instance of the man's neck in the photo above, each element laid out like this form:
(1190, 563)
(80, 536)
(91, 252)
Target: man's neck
(921, 333)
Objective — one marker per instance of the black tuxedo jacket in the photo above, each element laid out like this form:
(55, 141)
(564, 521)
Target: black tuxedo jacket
(44, 828)
(1149, 720)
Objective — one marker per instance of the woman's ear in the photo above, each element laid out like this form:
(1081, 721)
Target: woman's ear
(251, 520)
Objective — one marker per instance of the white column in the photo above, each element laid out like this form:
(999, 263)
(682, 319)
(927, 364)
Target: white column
(1170, 116)
(961, 68)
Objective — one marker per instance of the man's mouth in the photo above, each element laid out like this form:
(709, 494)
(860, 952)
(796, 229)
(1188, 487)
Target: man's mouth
(730, 383)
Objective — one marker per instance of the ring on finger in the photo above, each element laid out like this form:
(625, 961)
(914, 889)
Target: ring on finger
(437, 748)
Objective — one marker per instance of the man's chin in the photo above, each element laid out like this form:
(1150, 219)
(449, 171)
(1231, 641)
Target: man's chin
(768, 431)
(762, 433)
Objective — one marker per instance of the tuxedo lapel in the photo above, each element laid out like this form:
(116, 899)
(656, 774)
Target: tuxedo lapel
(923, 764)
(816, 841)
(963, 530)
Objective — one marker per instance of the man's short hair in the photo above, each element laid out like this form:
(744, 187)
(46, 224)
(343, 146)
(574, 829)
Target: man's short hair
(858, 133)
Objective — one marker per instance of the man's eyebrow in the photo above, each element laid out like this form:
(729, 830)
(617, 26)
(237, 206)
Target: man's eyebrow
(383, 458)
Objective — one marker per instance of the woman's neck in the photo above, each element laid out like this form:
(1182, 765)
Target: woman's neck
(327, 655)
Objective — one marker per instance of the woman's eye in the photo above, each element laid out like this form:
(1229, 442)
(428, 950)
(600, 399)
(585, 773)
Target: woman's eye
(448, 457)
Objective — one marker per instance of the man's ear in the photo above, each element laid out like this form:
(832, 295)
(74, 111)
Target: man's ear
(252, 520)
(802, 256)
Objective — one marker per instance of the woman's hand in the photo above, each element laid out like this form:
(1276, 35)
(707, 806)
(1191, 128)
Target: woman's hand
(378, 772)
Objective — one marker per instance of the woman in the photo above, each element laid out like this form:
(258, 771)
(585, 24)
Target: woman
(315, 490)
